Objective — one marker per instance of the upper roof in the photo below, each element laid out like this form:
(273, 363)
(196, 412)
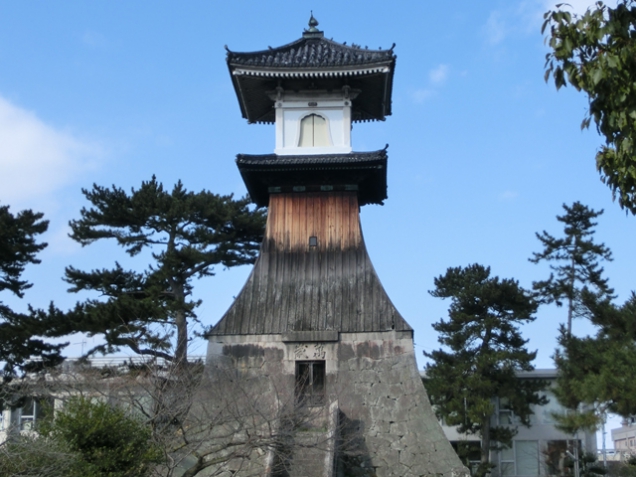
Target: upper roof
(364, 172)
(313, 51)
(316, 63)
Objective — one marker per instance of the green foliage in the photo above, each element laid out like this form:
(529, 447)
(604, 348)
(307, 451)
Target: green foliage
(18, 248)
(627, 469)
(574, 262)
(485, 352)
(109, 442)
(590, 466)
(597, 372)
(596, 53)
(187, 234)
(85, 439)
(468, 452)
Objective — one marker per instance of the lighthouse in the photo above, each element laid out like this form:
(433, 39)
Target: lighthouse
(313, 315)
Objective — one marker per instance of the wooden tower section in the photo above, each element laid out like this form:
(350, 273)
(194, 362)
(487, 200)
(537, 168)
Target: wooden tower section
(313, 328)
(313, 273)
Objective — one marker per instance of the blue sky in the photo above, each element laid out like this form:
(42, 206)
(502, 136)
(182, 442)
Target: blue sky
(482, 152)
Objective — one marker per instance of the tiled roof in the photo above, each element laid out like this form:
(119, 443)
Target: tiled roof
(313, 63)
(316, 159)
(312, 53)
(364, 170)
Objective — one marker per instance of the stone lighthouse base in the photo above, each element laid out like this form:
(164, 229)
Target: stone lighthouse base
(368, 416)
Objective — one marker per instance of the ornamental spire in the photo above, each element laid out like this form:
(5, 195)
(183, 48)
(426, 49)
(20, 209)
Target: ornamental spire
(313, 23)
(312, 32)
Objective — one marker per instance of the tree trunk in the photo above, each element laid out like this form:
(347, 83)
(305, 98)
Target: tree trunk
(484, 465)
(181, 353)
(181, 323)
(570, 305)
(571, 297)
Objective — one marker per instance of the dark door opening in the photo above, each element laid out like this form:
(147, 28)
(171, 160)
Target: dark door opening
(310, 383)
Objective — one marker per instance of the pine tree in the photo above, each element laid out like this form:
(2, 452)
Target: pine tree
(187, 233)
(575, 260)
(18, 331)
(483, 352)
(595, 372)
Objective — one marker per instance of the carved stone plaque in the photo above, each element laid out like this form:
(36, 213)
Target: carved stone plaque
(309, 351)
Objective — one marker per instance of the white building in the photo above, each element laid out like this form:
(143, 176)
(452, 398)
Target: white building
(624, 439)
(536, 450)
(38, 395)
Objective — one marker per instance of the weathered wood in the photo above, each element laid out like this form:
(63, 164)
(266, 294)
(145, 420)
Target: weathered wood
(332, 217)
(296, 287)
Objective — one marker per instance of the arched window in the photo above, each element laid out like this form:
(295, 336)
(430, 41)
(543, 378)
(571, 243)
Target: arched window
(313, 132)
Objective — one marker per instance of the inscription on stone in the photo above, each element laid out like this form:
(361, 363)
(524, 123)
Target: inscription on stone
(319, 351)
(310, 351)
(300, 351)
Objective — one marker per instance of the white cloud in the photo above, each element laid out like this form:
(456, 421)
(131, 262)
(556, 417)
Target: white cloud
(576, 6)
(35, 158)
(524, 17)
(436, 77)
(495, 28)
(439, 74)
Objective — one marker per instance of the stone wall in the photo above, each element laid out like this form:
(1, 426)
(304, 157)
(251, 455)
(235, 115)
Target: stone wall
(384, 425)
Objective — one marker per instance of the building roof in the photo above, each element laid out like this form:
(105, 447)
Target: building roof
(314, 53)
(271, 173)
(281, 296)
(313, 63)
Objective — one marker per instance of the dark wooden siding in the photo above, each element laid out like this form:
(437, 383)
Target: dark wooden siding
(297, 287)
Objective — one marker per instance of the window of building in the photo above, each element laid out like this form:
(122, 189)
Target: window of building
(520, 459)
(545, 413)
(555, 456)
(507, 461)
(310, 383)
(313, 132)
(469, 452)
(505, 413)
(28, 413)
(527, 457)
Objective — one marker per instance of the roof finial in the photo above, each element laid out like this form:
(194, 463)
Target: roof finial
(312, 32)
(313, 23)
